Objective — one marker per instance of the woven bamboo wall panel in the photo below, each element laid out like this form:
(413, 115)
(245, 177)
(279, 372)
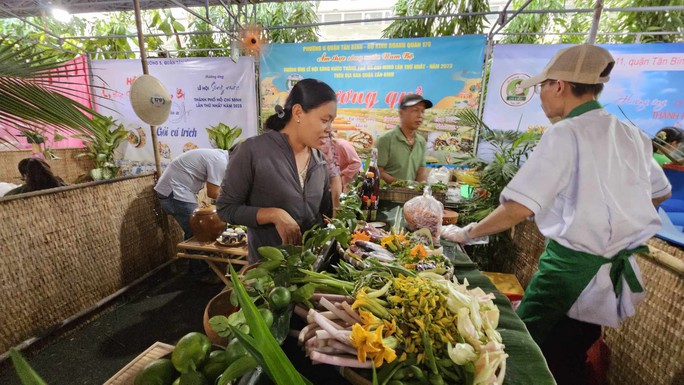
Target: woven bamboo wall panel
(648, 349)
(67, 167)
(60, 253)
(529, 244)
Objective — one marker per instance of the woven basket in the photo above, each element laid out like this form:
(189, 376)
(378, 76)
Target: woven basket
(126, 376)
(648, 349)
(64, 251)
(401, 195)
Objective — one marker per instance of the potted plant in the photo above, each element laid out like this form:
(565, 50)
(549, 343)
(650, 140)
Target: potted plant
(105, 137)
(223, 136)
(509, 151)
(35, 139)
(39, 143)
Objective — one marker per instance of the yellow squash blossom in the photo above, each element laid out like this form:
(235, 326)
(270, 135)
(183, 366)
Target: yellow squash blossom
(363, 340)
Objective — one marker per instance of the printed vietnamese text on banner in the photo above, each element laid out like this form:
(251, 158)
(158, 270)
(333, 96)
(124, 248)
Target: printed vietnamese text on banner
(370, 78)
(204, 92)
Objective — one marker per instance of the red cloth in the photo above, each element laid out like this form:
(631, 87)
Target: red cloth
(598, 360)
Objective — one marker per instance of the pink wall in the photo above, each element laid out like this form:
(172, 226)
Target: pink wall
(78, 90)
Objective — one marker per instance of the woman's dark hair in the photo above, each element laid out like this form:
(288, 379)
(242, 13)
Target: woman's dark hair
(308, 93)
(668, 135)
(39, 176)
(23, 166)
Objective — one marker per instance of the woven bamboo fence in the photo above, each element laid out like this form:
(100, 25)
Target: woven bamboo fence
(66, 167)
(64, 250)
(647, 349)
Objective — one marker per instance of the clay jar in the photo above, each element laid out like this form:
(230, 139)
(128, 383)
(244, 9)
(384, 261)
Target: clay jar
(205, 224)
(219, 305)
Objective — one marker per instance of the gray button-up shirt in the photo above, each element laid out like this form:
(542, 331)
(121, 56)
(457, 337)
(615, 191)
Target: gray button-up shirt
(262, 173)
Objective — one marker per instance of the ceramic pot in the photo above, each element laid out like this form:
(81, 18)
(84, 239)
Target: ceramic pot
(219, 305)
(205, 224)
(449, 217)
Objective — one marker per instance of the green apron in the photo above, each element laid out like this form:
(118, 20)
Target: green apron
(562, 276)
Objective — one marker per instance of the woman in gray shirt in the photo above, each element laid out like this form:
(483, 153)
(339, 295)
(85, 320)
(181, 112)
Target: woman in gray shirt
(277, 183)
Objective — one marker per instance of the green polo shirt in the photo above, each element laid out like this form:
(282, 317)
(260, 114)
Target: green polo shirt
(661, 159)
(399, 159)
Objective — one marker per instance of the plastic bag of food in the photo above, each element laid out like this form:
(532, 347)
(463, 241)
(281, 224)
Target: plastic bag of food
(438, 175)
(424, 212)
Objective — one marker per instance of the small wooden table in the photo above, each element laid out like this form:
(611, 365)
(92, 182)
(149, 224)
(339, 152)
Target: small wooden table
(213, 253)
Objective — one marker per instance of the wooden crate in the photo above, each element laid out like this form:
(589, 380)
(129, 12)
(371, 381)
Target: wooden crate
(126, 376)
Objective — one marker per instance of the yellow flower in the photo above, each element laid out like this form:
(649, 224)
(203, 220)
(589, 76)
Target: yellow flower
(385, 354)
(373, 305)
(381, 351)
(418, 251)
(359, 236)
(390, 326)
(369, 320)
(363, 340)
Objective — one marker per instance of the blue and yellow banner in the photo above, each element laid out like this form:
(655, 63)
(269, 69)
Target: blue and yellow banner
(370, 78)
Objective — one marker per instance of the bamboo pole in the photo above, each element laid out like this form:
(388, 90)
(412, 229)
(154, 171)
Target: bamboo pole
(598, 9)
(143, 59)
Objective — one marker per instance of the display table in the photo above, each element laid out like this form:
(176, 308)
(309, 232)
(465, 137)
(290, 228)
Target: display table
(525, 364)
(212, 253)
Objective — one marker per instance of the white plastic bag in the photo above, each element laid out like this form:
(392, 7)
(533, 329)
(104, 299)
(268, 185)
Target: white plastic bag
(437, 175)
(425, 212)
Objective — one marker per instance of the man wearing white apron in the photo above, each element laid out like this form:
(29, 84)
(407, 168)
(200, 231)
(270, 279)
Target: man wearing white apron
(591, 185)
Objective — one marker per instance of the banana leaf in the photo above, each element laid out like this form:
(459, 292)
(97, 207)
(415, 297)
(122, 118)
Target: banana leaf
(260, 343)
(26, 374)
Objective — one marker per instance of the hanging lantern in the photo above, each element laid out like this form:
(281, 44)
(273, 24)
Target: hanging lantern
(252, 40)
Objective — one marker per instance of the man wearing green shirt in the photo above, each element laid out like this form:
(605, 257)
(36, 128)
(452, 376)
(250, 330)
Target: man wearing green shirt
(401, 151)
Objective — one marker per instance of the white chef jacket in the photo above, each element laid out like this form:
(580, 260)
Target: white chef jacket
(589, 183)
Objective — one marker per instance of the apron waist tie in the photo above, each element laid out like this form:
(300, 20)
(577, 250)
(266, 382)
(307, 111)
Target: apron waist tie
(620, 267)
(562, 276)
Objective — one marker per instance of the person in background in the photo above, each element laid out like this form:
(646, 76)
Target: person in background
(401, 150)
(591, 185)
(668, 138)
(343, 165)
(37, 175)
(277, 184)
(331, 159)
(179, 185)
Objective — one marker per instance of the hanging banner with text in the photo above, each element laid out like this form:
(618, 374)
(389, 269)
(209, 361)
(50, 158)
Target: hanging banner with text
(370, 78)
(204, 93)
(646, 86)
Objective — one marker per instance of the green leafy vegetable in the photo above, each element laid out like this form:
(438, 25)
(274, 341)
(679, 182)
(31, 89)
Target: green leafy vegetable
(261, 343)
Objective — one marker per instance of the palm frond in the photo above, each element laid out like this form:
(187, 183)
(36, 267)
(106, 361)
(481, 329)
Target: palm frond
(35, 91)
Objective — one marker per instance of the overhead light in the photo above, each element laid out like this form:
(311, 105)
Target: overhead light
(60, 15)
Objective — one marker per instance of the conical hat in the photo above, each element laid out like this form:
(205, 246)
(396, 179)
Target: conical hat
(150, 100)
